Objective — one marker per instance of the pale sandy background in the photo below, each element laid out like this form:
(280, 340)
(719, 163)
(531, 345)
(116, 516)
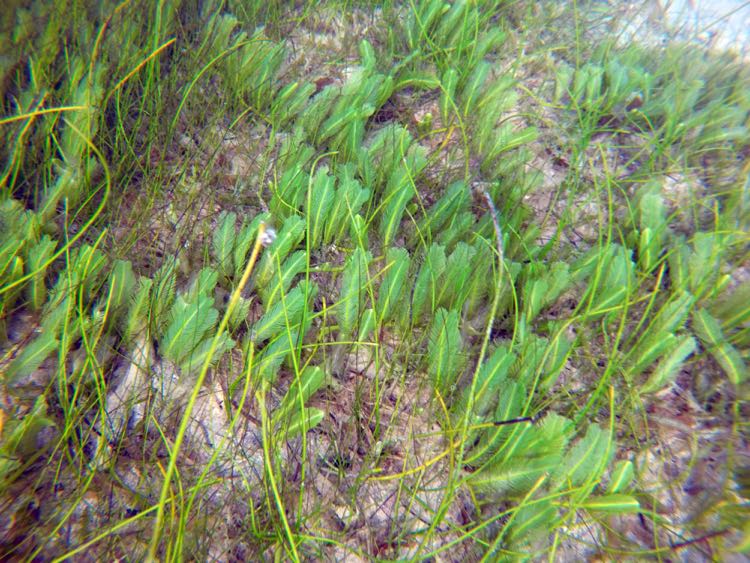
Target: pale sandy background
(719, 24)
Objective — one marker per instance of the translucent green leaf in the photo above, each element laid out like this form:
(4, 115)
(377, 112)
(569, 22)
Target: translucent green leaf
(532, 522)
(9, 250)
(666, 371)
(529, 453)
(651, 350)
(223, 244)
(137, 317)
(652, 224)
(614, 503)
(425, 292)
(121, 284)
(488, 41)
(445, 351)
(734, 310)
(709, 332)
(366, 325)
(317, 110)
(452, 21)
(20, 437)
(269, 360)
(204, 284)
(563, 77)
(497, 442)
(31, 357)
(358, 231)
(311, 379)
(424, 20)
(367, 55)
(87, 263)
(586, 460)
(190, 323)
(622, 476)
(533, 297)
(289, 192)
(483, 280)
(394, 279)
(195, 360)
(12, 274)
(558, 350)
(456, 280)
(290, 102)
(336, 122)
(319, 204)
(678, 265)
(617, 279)
(163, 293)
(308, 419)
(498, 99)
(36, 263)
(487, 386)
(455, 199)
(349, 199)
(286, 312)
(353, 283)
(673, 315)
(386, 88)
(449, 83)
(393, 212)
(459, 226)
(506, 139)
(348, 141)
(239, 314)
(704, 261)
(473, 88)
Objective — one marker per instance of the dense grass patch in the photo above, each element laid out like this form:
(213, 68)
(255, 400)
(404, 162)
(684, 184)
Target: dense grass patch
(448, 280)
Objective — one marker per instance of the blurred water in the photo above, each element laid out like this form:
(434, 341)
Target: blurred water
(723, 24)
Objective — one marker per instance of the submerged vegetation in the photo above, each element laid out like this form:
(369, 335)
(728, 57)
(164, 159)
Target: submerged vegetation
(427, 280)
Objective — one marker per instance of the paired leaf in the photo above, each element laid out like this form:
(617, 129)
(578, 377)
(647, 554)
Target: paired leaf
(445, 351)
(349, 199)
(585, 462)
(310, 380)
(31, 357)
(318, 205)
(163, 294)
(223, 244)
(426, 289)
(190, 323)
(138, 312)
(530, 454)
(667, 369)
(487, 387)
(286, 313)
(353, 283)
(394, 281)
(711, 336)
(37, 257)
(121, 285)
(456, 281)
(543, 289)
